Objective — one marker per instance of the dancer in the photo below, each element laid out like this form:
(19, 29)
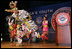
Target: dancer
(45, 29)
(23, 25)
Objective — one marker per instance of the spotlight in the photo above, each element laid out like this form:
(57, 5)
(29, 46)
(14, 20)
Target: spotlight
(1, 38)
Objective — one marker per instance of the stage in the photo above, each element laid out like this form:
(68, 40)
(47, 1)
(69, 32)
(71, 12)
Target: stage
(32, 45)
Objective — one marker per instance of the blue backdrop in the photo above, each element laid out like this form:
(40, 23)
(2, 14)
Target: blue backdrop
(38, 13)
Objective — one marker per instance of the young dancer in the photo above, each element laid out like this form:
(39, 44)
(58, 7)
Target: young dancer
(45, 29)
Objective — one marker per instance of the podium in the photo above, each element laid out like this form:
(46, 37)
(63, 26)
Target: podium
(63, 29)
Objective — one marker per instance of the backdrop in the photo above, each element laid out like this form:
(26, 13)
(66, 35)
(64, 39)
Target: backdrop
(38, 13)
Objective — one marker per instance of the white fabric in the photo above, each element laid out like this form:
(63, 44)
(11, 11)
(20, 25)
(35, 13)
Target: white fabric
(22, 14)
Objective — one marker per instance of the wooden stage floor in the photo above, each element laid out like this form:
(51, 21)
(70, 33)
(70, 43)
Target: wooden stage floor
(32, 45)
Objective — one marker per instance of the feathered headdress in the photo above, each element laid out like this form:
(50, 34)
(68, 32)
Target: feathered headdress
(13, 3)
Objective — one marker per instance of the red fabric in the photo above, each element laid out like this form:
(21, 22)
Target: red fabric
(42, 37)
(46, 37)
(15, 25)
(13, 33)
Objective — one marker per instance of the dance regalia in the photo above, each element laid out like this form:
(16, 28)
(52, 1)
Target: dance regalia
(45, 30)
(11, 27)
(45, 26)
(12, 32)
(29, 25)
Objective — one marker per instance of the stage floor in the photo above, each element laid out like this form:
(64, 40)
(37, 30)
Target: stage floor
(32, 45)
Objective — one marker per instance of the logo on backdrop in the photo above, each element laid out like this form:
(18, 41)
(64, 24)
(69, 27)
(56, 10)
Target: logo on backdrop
(62, 18)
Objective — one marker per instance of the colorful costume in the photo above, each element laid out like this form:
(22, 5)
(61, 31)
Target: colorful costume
(23, 24)
(45, 30)
(45, 26)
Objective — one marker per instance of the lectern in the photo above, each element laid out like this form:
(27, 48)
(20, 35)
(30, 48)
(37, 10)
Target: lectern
(63, 29)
